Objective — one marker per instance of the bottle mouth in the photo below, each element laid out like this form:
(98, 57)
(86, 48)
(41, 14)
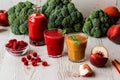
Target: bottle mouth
(37, 9)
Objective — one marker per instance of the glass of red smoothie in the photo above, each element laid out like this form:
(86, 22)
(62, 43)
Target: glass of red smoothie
(55, 42)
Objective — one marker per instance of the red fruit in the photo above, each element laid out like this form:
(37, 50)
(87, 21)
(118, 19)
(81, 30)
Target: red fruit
(34, 54)
(26, 63)
(22, 43)
(85, 70)
(29, 57)
(23, 59)
(113, 12)
(99, 56)
(97, 60)
(38, 59)
(9, 45)
(32, 59)
(15, 45)
(44, 63)
(113, 34)
(3, 18)
(20, 48)
(34, 63)
(12, 40)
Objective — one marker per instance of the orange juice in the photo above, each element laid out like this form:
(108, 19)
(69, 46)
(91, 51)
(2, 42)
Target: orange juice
(76, 52)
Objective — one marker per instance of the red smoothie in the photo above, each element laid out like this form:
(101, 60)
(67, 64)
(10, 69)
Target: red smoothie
(36, 26)
(54, 42)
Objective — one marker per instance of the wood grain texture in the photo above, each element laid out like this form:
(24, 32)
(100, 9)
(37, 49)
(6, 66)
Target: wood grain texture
(11, 67)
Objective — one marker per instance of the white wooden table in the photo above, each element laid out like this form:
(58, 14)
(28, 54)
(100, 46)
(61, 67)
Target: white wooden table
(11, 67)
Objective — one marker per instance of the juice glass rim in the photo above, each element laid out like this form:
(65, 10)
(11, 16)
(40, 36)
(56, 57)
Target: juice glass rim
(82, 34)
(78, 34)
(60, 30)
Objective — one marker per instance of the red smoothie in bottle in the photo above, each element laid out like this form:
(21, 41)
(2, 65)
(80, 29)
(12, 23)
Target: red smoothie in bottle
(54, 42)
(36, 26)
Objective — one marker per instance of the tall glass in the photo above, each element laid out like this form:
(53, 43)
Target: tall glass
(76, 46)
(54, 42)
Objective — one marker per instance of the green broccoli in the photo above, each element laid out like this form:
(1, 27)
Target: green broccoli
(22, 28)
(18, 15)
(63, 14)
(11, 10)
(68, 30)
(28, 4)
(97, 24)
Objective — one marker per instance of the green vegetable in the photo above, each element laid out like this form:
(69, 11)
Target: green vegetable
(63, 14)
(75, 40)
(63, 32)
(97, 24)
(18, 15)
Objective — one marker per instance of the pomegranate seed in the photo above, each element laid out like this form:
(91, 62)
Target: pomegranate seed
(44, 63)
(34, 63)
(23, 59)
(32, 59)
(29, 57)
(26, 63)
(15, 45)
(12, 40)
(22, 43)
(34, 54)
(38, 59)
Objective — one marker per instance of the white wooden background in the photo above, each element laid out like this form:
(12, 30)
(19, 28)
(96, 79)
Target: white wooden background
(11, 67)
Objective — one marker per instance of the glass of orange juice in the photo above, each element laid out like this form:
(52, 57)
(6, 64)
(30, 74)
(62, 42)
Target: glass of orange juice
(76, 46)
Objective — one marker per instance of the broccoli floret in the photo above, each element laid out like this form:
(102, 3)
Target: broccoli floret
(28, 4)
(23, 11)
(66, 21)
(59, 20)
(11, 10)
(51, 25)
(97, 24)
(68, 30)
(44, 7)
(66, 1)
(78, 27)
(52, 2)
(22, 28)
(73, 17)
(71, 7)
(30, 11)
(21, 4)
(18, 15)
(10, 18)
(15, 30)
(57, 2)
(63, 14)
(64, 11)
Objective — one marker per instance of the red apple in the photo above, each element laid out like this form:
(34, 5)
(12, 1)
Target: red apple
(113, 33)
(3, 18)
(99, 56)
(85, 70)
(113, 12)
